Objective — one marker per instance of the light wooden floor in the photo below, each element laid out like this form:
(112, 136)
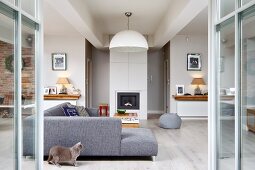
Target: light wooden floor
(181, 149)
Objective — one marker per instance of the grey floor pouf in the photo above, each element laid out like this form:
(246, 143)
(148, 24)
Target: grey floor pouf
(170, 121)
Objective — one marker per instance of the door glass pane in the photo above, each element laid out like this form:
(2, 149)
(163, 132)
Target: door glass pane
(11, 1)
(28, 6)
(226, 7)
(248, 90)
(245, 1)
(6, 90)
(226, 96)
(28, 91)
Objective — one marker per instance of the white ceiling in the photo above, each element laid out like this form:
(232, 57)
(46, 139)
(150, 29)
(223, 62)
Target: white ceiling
(96, 20)
(147, 14)
(198, 26)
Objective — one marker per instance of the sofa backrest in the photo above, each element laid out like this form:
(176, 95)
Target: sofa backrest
(101, 136)
(56, 110)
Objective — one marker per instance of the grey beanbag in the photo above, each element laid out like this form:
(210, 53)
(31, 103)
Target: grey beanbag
(170, 121)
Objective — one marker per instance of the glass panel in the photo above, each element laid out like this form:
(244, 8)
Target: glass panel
(226, 7)
(29, 6)
(11, 1)
(28, 91)
(226, 96)
(248, 90)
(6, 89)
(245, 1)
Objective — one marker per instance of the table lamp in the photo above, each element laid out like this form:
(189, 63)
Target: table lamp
(197, 81)
(63, 81)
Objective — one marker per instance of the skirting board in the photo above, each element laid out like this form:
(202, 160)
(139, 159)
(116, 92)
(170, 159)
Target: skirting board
(156, 111)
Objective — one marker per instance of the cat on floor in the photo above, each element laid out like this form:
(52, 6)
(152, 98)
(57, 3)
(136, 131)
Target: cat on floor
(59, 154)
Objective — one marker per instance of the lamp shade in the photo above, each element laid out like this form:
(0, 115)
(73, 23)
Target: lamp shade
(128, 41)
(198, 81)
(63, 80)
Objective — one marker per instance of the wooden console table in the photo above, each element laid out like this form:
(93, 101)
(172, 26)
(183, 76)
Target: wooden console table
(191, 105)
(191, 98)
(251, 119)
(61, 97)
(55, 99)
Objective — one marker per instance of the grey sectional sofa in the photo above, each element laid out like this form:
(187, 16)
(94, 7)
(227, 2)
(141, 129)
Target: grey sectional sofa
(101, 136)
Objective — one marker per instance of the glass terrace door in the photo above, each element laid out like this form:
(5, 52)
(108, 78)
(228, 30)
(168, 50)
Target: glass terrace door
(20, 89)
(232, 80)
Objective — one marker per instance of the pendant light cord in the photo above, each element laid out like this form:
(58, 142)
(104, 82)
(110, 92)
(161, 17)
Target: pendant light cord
(128, 14)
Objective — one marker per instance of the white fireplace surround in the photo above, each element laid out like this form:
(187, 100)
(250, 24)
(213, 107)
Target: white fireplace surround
(128, 73)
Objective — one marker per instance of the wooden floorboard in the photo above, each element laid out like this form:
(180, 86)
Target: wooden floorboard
(179, 149)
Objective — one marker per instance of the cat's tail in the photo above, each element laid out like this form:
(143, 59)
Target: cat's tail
(50, 158)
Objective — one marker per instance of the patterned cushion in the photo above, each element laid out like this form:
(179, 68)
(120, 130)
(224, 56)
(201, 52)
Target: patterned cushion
(70, 111)
(80, 109)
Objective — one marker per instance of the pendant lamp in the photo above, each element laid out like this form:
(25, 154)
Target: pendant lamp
(128, 40)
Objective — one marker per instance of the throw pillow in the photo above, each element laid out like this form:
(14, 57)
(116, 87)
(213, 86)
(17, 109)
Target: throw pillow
(80, 109)
(70, 111)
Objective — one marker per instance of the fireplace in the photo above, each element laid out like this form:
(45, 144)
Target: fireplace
(128, 101)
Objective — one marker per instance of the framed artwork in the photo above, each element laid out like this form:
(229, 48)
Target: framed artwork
(46, 91)
(194, 62)
(179, 89)
(59, 61)
(52, 90)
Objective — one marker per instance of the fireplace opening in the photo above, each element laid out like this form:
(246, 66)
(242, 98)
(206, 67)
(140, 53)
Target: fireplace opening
(128, 101)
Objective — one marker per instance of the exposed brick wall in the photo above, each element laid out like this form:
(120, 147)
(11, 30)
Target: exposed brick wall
(7, 77)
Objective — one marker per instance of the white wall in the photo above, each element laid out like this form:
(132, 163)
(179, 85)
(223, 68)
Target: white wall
(156, 81)
(128, 73)
(100, 76)
(74, 47)
(179, 47)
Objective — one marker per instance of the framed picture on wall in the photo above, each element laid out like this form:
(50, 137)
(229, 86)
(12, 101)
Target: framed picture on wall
(194, 62)
(179, 90)
(59, 61)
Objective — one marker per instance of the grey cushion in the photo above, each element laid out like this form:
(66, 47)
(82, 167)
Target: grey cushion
(80, 109)
(170, 121)
(56, 110)
(138, 142)
(93, 112)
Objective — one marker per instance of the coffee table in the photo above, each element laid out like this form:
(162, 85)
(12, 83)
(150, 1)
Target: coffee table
(129, 120)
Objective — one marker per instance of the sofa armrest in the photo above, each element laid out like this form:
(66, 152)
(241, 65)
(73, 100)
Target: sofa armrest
(99, 135)
(93, 112)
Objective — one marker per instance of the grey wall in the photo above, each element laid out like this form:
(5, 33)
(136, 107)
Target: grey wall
(179, 47)
(100, 76)
(74, 47)
(155, 81)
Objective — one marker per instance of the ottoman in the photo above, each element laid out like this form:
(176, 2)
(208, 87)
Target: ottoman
(170, 121)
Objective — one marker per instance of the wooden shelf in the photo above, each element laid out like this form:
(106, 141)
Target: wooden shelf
(61, 97)
(191, 98)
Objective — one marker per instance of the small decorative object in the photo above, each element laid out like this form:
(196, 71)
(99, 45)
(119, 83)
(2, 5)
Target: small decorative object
(59, 61)
(1, 99)
(52, 90)
(179, 89)
(222, 65)
(193, 62)
(76, 91)
(46, 91)
(9, 62)
(63, 81)
(197, 81)
(121, 111)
